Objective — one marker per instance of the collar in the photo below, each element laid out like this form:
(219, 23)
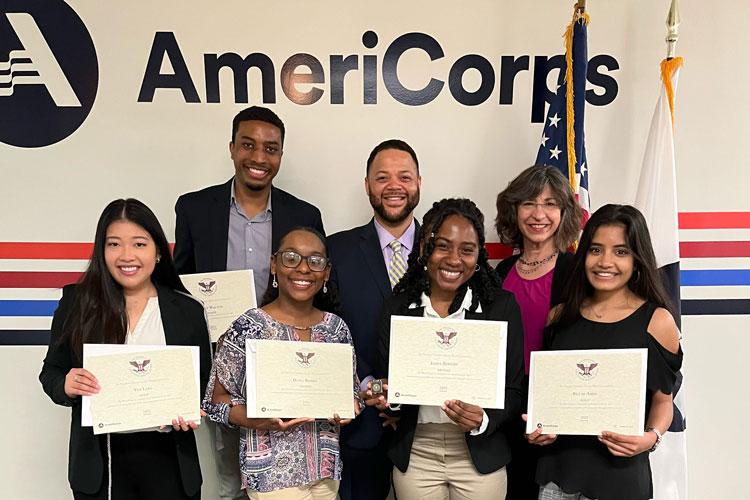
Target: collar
(406, 239)
(233, 200)
(424, 301)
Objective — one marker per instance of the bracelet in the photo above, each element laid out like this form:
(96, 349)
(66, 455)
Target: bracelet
(658, 438)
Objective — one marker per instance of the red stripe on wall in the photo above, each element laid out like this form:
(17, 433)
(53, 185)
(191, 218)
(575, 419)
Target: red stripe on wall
(44, 250)
(714, 220)
(697, 249)
(498, 250)
(19, 279)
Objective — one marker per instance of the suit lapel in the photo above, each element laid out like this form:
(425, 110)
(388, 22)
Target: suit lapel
(219, 220)
(278, 218)
(369, 245)
(171, 319)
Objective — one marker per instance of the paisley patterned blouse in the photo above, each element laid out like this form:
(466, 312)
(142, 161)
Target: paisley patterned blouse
(272, 460)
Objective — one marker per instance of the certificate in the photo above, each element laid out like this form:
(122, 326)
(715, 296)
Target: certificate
(589, 391)
(432, 360)
(299, 379)
(142, 387)
(225, 296)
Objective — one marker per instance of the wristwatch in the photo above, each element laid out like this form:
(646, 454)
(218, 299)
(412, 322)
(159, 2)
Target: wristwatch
(658, 438)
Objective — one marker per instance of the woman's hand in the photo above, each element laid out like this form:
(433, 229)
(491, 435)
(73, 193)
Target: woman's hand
(389, 420)
(336, 420)
(80, 382)
(537, 437)
(467, 416)
(621, 445)
(180, 424)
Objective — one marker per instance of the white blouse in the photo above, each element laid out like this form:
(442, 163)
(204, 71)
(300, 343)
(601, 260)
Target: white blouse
(149, 330)
(435, 414)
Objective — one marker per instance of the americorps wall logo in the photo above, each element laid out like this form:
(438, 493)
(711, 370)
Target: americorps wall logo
(49, 72)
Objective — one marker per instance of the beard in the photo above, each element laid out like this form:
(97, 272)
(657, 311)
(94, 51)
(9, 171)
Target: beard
(412, 200)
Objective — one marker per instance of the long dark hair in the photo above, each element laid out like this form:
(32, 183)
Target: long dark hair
(97, 314)
(325, 301)
(645, 281)
(484, 283)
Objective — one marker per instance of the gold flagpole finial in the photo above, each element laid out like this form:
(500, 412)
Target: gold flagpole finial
(673, 25)
(581, 6)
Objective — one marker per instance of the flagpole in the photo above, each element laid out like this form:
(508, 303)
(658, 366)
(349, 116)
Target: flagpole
(673, 25)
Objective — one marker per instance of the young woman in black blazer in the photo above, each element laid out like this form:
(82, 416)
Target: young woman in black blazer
(449, 276)
(130, 277)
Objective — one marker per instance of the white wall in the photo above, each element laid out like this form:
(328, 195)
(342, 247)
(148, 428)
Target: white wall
(157, 150)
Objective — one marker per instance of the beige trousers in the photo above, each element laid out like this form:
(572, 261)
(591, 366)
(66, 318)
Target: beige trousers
(440, 468)
(325, 489)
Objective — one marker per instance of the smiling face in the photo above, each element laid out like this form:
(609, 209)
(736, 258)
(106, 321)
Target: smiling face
(609, 260)
(538, 219)
(256, 152)
(454, 258)
(392, 184)
(130, 255)
(299, 284)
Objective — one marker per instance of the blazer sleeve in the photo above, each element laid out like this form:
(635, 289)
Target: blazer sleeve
(507, 310)
(318, 222)
(184, 255)
(384, 339)
(58, 361)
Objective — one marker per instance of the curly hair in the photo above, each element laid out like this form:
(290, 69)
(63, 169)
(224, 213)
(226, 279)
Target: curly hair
(527, 186)
(325, 301)
(484, 283)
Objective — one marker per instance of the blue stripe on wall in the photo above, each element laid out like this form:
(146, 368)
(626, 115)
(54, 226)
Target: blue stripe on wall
(27, 307)
(715, 277)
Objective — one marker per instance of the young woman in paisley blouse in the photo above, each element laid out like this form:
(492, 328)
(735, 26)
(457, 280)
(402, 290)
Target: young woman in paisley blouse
(279, 458)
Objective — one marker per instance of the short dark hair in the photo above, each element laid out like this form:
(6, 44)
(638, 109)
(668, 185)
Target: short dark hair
(257, 113)
(527, 186)
(325, 301)
(392, 144)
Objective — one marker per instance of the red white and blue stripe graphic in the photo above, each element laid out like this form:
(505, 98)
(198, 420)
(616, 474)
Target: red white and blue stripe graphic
(714, 262)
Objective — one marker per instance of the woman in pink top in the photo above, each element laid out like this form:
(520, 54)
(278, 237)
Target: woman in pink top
(538, 216)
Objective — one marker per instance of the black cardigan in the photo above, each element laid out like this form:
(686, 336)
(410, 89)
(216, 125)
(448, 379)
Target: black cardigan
(563, 269)
(490, 450)
(184, 324)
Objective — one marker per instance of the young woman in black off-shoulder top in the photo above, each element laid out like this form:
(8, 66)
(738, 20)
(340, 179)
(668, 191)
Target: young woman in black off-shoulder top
(615, 300)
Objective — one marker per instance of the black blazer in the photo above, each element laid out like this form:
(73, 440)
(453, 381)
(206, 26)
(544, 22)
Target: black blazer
(202, 227)
(490, 450)
(359, 271)
(563, 269)
(184, 324)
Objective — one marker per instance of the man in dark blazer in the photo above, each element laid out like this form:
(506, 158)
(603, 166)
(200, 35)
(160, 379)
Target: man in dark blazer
(364, 271)
(238, 225)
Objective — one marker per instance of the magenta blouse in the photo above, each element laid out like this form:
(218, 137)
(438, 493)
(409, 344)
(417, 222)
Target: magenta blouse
(533, 297)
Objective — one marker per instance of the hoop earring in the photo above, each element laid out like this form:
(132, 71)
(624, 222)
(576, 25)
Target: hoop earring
(477, 268)
(158, 259)
(325, 288)
(274, 283)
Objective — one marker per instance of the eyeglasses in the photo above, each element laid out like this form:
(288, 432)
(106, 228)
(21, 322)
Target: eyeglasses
(546, 206)
(292, 260)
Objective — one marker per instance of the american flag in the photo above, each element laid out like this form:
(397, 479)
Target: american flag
(562, 144)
